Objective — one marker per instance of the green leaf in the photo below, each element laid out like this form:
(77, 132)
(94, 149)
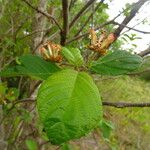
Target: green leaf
(65, 146)
(144, 70)
(106, 128)
(69, 105)
(31, 145)
(116, 63)
(3, 88)
(30, 65)
(73, 55)
(12, 94)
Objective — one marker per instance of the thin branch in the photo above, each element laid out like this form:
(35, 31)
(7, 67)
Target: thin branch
(88, 19)
(135, 8)
(50, 17)
(34, 32)
(45, 35)
(134, 25)
(112, 104)
(145, 52)
(97, 28)
(72, 2)
(24, 100)
(85, 34)
(130, 28)
(65, 11)
(124, 104)
(81, 12)
(44, 143)
(32, 91)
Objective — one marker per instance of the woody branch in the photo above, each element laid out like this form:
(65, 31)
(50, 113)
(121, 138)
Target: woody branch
(90, 16)
(135, 8)
(145, 52)
(79, 14)
(104, 103)
(50, 17)
(65, 30)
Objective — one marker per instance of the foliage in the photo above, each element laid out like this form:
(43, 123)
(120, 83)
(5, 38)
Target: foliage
(62, 101)
(129, 123)
(31, 145)
(30, 65)
(73, 55)
(68, 97)
(116, 63)
(106, 128)
(145, 69)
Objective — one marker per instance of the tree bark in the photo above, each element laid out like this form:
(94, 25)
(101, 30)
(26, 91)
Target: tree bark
(39, 24)
(134, 10)
(3, 143)
(145, 52)
(65, 30)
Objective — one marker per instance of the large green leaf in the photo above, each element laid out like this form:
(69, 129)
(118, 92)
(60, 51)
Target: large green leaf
(73, 55)
(69, 105)
(116, 63)
(30, 65)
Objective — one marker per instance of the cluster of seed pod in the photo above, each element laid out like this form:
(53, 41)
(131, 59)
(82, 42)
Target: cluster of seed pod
(102, 43)
(51, 52)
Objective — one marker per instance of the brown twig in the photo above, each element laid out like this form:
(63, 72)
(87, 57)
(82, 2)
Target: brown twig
(79, 14)
(65, 11)
(97, 28)
(34, 32)
(85, 34)
(124, 104)
(72, 2)
(44, 143)
(24, 100)
(50, 17)
(88, 19)
(130, 28)
(21, 101)
(145, 52)
(34, 88)
(112, 104)
(44, 36)
(134, 25)
(135, 8)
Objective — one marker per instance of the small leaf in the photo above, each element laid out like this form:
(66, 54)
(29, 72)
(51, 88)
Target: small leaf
(65, 146)
(31, 145)
(30, 65)
(3, 88)
(69, 105)
(12, 94)
(116, 63)
(106, 128)
(73, 55)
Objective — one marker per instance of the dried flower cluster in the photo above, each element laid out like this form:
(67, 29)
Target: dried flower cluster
(102, 44)
(51, 51)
